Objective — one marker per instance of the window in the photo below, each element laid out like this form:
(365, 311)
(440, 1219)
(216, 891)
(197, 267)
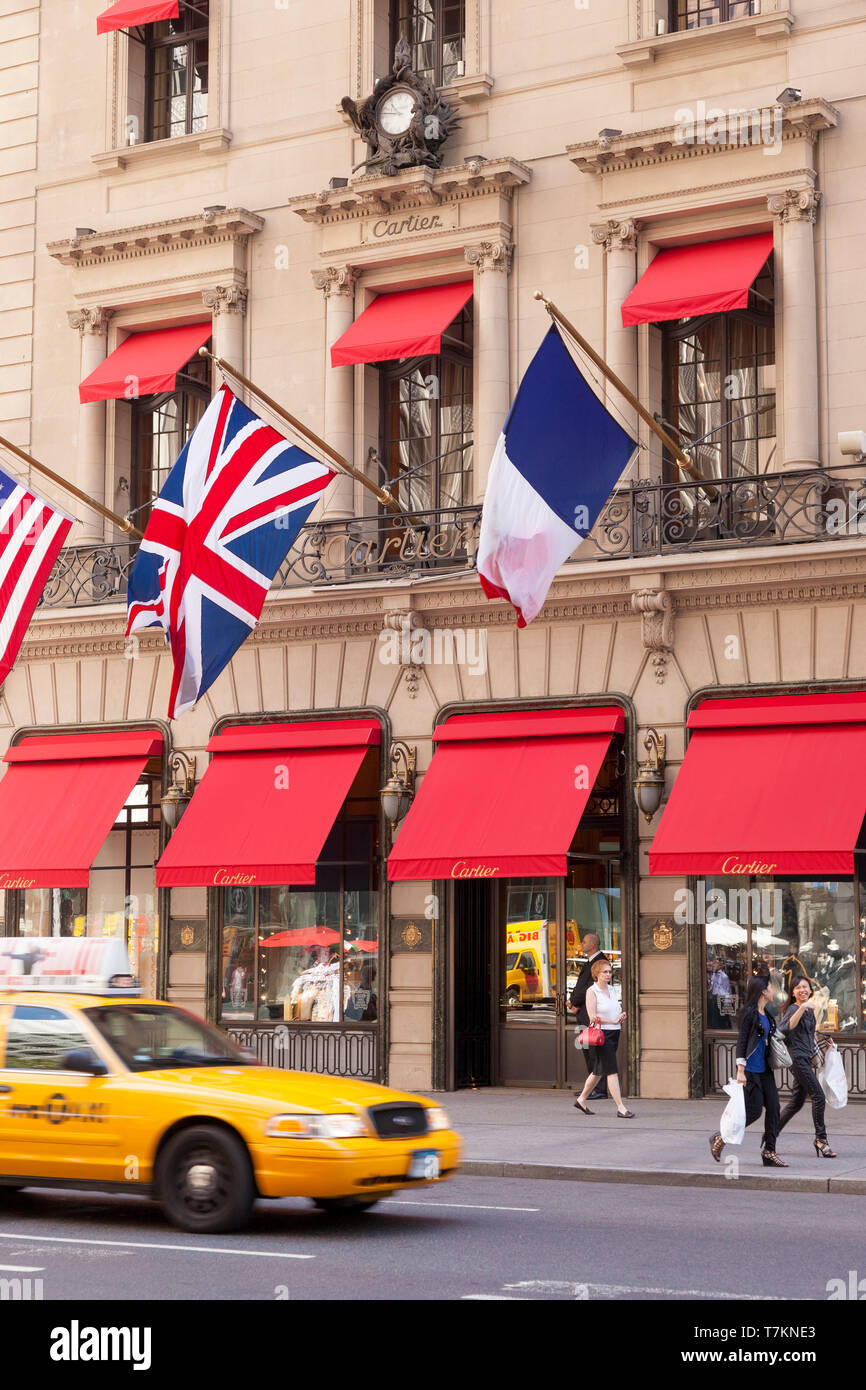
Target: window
(148, 1038)
(426, 414)
(310, 954)
(38, 1038)
(121, 897)
(176, 73)
(720, 386)
(162, 426)
(700, 14)
(436, 33)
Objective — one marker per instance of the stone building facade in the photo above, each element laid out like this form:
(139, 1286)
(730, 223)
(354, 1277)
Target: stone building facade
(592, 139)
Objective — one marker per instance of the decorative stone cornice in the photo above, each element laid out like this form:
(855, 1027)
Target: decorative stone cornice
(334, 280)
(93, 320)
(617, 235)
(665, 144)
(795, 205)
(418, 187)
(774, 22)
(490, 255)
(225, 299)
(155, 238)
(656, 610)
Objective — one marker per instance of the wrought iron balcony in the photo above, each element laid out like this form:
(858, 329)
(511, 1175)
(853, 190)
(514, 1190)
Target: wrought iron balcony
(326, 553)
(643, 518)
(653, 518)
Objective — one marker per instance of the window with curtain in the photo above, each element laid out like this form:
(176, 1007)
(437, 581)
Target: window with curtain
(436, 33)
(163, 424)
(176, 68)
(720, 386)
(700, 14)
(426, 414)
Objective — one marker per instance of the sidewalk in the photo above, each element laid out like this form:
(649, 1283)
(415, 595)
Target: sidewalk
(515, 1133)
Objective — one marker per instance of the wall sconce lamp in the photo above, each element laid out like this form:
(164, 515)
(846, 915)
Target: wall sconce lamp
(398, 791)
(179, 794)
(650, 781)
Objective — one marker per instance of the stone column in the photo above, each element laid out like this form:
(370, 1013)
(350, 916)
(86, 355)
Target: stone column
(619, 240)
(337, 284)
(491, 261)
(796, 211)
(228, 305)
(92, 325)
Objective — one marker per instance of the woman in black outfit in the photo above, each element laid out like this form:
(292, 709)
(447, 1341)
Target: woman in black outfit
(799, 1024)
(755, 1071)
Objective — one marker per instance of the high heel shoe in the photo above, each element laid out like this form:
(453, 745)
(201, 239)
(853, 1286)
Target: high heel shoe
(823, 1150)
(772, 1160)
(717, 1143)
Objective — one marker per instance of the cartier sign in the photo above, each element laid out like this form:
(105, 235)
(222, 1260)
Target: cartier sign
(223, 878)
(394, 225)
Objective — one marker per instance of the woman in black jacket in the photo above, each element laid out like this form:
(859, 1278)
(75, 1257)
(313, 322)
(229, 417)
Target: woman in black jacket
(755, 1071)
(798, 1025)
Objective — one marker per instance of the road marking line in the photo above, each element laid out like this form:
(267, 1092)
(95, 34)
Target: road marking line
(581, 1290)
(23, 1269)
(460, 1206)
(155, 1245)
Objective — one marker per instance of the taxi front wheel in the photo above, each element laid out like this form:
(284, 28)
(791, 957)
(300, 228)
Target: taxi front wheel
(205, 1181)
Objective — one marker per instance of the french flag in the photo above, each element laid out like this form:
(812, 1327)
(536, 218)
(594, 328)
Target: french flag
(557, 461)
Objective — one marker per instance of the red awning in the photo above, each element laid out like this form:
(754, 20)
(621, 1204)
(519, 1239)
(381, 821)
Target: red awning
(266, 803)
(59, 799)
(127, 14)
(705, 278)
(407, 324)
(774, 785)
(504, 794)
(144, 363)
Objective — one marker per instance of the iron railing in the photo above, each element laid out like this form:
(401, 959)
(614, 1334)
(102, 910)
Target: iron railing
(643, 518)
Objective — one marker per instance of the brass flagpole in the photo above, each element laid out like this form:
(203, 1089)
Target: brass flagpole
(342, 464)
(683, 460)
(122, 521)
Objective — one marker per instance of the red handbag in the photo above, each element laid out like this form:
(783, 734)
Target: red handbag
(592, 1036)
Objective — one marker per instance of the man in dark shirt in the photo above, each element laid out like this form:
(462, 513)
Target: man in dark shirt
(577, 1003)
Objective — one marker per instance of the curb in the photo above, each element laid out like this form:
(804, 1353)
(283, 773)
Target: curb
(658, 1177)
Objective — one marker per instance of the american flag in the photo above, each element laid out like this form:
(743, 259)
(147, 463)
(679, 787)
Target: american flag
(31, 535)
(229, 513)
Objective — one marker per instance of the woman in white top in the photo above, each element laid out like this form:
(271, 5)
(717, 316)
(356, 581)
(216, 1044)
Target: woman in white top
(603, 1008)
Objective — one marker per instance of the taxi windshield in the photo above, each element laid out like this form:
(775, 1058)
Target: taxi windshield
(147, 1037)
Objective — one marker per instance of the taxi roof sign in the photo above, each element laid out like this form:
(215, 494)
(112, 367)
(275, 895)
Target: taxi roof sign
(66, 964)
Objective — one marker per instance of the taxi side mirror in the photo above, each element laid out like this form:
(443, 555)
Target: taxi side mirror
(84, 1059)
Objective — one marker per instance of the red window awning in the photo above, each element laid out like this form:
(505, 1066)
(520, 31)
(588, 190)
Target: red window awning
(772, 785)
(409, 323)
(144, 363)
(127, 14)
(503, 794)
(266, 803)
(706, 278)
(60, 798)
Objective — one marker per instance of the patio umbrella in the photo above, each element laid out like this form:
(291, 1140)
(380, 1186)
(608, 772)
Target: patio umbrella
(303, 936)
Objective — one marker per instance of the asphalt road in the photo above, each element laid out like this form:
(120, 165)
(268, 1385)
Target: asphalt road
(472, 1239)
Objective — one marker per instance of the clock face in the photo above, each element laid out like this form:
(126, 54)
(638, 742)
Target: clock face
(396, 111)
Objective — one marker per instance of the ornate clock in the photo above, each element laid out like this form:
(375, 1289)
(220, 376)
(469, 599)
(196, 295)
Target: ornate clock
(403, 122)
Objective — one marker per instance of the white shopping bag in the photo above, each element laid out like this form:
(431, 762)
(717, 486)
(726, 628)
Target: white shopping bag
(833, 1079)
(733, 1122)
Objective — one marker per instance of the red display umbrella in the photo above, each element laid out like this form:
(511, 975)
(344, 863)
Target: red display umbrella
(303, 936)
(364, 945)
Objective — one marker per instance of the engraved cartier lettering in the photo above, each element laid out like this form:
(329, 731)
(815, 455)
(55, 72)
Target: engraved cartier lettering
(384, 228)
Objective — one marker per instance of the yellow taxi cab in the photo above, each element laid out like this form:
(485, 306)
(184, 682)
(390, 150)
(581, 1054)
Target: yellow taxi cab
(102, 1089)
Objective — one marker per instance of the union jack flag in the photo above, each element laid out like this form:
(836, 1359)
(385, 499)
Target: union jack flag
(31, 535)
(229, 513)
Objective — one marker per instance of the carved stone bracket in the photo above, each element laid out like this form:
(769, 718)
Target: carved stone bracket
(617, 235)
(225, 299)
(656, 610)
(335, 280)
(491, 255)
(399, 625)
(795, 205)
(92, 320)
